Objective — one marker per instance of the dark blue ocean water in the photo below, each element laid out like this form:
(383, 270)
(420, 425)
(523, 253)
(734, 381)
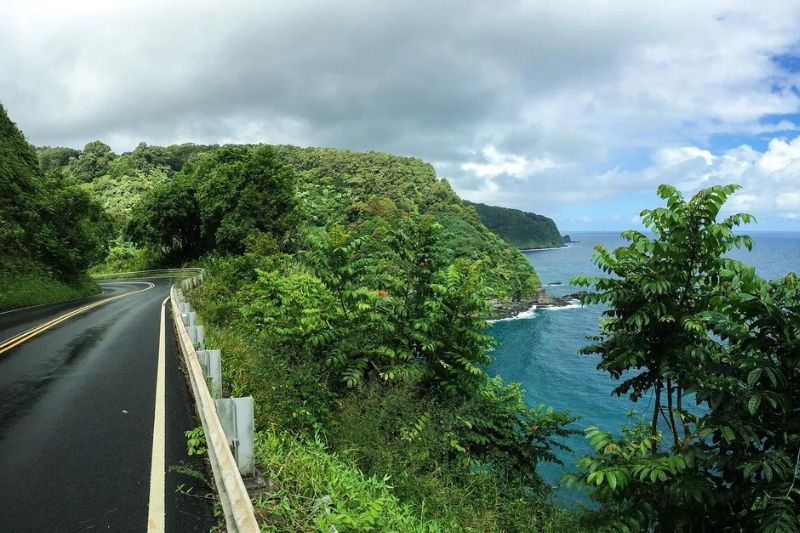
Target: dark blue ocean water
(540, 351)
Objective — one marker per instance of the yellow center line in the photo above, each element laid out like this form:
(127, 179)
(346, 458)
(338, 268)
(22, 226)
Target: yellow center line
(18, 339)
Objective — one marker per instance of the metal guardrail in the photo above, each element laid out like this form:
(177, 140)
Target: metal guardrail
(236, 504)
(154, 273)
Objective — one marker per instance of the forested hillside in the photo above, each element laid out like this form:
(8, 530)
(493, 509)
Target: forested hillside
(331, 187)
(349, 293)
(518, 228)
(343, 186)
(50, 232)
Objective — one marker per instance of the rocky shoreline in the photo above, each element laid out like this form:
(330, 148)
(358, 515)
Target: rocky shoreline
(542, 300)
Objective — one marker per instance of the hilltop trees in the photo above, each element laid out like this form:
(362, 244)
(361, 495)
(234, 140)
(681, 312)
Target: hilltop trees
(93, 162)
(683, 322)
(215, 203)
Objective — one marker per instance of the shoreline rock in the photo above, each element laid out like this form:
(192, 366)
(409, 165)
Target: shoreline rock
(542, 300)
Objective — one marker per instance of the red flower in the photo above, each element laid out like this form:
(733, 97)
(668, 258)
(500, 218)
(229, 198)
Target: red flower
(534, 427)
(382, 293)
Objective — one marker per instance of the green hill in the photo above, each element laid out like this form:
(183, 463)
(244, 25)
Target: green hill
(337, 185)
(50, 233)
(518, 228)
(332, 186)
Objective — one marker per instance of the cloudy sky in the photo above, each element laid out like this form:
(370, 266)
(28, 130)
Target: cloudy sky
(577, 110)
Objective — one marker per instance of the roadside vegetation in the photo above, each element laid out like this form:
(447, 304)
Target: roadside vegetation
(50, 232)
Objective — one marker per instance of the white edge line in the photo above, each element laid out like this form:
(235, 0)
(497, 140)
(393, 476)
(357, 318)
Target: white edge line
(156, 507)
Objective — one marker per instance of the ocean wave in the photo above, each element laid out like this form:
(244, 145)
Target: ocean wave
(573, 304)
(530, 313)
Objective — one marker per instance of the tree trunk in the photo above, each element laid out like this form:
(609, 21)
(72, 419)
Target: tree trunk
(672, 423)
(654, 424)
(685, 424)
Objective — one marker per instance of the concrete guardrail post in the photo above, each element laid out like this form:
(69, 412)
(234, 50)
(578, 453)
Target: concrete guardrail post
(237, 418)
(211, 361)
(198, 336)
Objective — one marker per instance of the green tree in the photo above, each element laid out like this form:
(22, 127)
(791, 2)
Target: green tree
(168, 222)
(215, 203)
(652, 335)
(93, 162)
(56, 157)
(243, 190)
(681, 319)
(60, 228)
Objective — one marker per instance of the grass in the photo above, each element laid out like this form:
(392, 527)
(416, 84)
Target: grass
(22, 289)
(314, 489)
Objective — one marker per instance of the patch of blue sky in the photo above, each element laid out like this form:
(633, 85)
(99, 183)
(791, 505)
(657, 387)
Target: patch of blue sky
(789, 61)
(615, 213)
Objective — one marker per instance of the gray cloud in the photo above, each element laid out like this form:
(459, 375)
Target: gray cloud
(570, 83)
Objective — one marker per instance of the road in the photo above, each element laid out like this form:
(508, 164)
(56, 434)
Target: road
(78, 408)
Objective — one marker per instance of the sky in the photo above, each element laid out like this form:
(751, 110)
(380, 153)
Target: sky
(576, 110)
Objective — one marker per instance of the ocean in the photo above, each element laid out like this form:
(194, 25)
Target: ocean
(539, 349)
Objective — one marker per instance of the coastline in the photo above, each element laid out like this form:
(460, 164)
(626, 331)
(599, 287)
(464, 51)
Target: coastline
(544, 248)
(506, 310)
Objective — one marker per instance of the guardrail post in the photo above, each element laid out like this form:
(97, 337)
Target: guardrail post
(211, 361)
(197, 334)
(238, 420)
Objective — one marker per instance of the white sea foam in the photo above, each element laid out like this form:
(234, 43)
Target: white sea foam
(530, 313)
(573, 304)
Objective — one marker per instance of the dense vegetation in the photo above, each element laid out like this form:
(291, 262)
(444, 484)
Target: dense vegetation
(50, 232)
(365, 333)
(348, 292)
(331, 186)
(685, 323)
(518, 228)
(118, 182)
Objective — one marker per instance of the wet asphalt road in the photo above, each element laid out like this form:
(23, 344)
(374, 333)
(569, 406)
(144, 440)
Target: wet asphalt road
(77, 406)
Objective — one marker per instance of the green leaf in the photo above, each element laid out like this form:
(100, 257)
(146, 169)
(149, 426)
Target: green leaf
(753, 404)
(727, 433)
(753, 376)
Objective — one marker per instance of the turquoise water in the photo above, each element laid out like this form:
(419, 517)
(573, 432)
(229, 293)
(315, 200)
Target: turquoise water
(541, 350)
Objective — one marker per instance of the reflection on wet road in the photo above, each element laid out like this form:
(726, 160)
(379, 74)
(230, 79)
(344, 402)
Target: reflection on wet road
(77, 397)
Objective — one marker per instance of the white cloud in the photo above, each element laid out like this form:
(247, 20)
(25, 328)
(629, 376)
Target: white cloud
(770, 179)
(497, 163)
(788, 200)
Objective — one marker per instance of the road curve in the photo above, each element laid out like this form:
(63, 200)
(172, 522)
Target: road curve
(77, 407)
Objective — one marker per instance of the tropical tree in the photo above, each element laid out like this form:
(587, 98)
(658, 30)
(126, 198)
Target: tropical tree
(213, 206)
(683, 319)
(656, 289)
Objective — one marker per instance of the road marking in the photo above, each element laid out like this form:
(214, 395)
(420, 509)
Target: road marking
(18, 339)
(155, 515)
